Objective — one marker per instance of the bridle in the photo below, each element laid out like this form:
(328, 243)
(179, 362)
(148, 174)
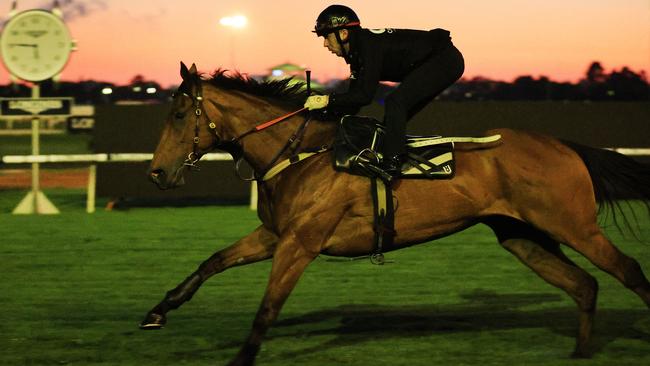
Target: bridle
(194, 156)
(293, 143)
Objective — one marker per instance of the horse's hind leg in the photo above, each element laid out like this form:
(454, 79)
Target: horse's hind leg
(256, 246)
(602, 253)
(543, 255)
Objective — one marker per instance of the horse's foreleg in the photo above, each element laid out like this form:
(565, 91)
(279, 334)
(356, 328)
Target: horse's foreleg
(289, 262)
(256, 246)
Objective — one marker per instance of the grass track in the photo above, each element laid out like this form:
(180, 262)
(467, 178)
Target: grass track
(74, 286)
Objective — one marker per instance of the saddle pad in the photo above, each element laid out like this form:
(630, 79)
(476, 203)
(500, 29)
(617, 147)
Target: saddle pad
(430, 162)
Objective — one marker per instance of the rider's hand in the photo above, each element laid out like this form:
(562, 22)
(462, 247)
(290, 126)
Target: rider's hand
(317, 102)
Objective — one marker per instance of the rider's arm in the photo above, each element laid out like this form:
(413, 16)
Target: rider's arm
(362, 88)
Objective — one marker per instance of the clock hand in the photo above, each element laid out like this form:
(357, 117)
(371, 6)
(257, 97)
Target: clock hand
(32, 45)
(23, 45)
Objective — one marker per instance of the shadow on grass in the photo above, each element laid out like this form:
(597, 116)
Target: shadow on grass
(484, 311)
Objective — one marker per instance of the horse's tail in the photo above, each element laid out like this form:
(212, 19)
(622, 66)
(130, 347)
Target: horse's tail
(615, 177)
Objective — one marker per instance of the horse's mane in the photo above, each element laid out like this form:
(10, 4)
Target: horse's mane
(286, 90)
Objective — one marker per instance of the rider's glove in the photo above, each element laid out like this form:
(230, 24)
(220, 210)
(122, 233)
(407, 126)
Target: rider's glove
(317, 102)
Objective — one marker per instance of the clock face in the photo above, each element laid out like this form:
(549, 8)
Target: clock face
(35, 45)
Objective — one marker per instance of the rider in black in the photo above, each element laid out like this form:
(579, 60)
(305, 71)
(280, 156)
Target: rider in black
(424, 62)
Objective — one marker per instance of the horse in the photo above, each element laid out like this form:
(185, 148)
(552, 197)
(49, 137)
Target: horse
(536, 192)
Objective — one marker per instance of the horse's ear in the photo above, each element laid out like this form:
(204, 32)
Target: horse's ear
(193, 70)
(185, 73)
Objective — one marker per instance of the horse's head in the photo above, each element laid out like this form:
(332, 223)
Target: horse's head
(186, 134)
(228, 113)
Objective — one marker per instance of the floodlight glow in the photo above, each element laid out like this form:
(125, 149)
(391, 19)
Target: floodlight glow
(277, 72)
(235, 21)
(107, 91)
(151, 90)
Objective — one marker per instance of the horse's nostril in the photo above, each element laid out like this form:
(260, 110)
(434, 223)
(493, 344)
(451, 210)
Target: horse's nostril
(156, 175)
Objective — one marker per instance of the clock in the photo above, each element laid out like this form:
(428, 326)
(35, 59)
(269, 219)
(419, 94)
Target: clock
(35, 45)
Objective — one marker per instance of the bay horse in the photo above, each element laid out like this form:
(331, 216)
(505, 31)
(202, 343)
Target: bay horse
(536, 192)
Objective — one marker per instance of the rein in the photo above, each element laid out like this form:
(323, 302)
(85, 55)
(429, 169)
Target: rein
(268, 124)
(293, 142)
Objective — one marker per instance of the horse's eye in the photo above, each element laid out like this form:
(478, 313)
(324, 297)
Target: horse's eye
(179, 115)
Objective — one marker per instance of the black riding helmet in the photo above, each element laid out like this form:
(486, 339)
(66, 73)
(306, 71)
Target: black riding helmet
(335, 17)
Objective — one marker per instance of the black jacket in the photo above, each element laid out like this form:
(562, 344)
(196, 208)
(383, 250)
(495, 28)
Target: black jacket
(385, 55)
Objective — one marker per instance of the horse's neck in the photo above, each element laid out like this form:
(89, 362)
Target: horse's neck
(262, 147)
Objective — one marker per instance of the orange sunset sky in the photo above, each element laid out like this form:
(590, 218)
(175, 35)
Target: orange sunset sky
(500, 39)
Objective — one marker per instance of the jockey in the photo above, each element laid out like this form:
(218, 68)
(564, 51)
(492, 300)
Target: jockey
(424, 62)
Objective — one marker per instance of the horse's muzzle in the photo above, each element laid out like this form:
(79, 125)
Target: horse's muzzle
(166, 181)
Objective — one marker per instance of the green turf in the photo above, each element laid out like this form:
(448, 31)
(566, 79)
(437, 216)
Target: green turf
(74, 287)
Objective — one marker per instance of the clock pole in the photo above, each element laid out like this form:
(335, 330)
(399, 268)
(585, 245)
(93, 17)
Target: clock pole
(36, 150)
(36, 202)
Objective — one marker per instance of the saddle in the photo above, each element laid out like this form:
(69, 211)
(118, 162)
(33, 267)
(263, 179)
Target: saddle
(359, 139)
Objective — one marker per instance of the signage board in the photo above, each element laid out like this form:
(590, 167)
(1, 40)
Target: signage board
(33, 107)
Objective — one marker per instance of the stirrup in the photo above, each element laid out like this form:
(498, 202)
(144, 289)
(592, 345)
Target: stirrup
(368, 156)
(373, 170)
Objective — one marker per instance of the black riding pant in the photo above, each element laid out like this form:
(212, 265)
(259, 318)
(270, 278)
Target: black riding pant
(416, 90)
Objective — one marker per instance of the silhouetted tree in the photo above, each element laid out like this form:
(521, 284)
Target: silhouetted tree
(626, 85)
(596, 73)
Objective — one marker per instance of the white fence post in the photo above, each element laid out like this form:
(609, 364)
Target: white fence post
(92, 183)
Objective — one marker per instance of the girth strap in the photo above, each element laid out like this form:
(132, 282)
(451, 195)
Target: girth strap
(384, 218)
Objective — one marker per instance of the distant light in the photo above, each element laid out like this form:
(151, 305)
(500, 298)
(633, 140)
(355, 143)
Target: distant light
(151, 90)
(277, 72)
(137, 89)
(107, 91)
(235, 21)
(611, 93)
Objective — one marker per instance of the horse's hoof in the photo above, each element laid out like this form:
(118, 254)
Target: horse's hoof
(580, 354)
(246, 356)
(239, 362)
(153, 321)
